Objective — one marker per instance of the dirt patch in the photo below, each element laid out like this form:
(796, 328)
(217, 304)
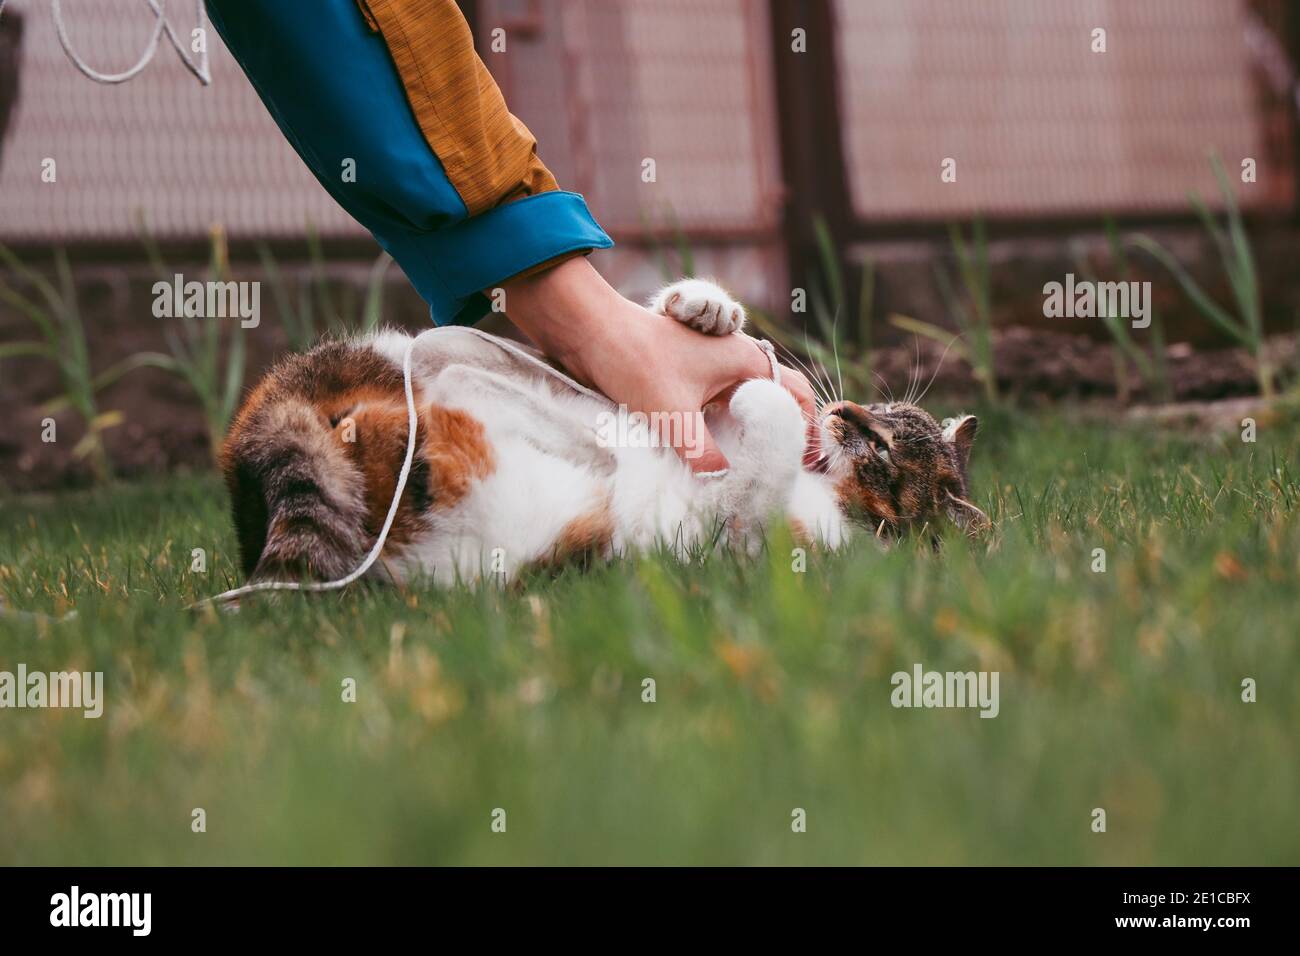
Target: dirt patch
(1034, 365)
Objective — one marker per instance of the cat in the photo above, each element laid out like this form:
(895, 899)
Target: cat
(511, 473)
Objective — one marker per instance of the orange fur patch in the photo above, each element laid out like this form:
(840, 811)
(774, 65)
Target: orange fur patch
(458, 453)
(591, 533)
(588, 537)
(853, 495)
(454, 448)
(799, 531)
(378, 449)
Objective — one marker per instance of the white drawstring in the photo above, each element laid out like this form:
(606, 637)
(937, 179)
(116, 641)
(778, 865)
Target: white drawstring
(770, 352)
(161, 26)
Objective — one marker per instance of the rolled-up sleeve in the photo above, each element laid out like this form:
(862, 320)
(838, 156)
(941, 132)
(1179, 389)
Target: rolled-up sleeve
(392, 110)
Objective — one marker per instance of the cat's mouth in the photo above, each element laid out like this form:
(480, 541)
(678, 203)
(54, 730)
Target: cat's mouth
(831, 442)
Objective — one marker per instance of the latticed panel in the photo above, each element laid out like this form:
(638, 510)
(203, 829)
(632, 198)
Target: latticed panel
(186, 155)
(1040, 124)
(607, 84)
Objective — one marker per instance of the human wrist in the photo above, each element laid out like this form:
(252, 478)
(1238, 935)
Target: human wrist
(571, 313)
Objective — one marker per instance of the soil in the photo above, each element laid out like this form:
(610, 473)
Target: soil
(1034, 365)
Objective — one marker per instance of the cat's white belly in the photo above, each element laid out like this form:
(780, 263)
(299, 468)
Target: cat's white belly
(513, 518)
(554, 465)
(509, 520)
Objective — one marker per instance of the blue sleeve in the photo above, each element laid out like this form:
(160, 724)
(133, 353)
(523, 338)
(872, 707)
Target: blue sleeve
(330, 84)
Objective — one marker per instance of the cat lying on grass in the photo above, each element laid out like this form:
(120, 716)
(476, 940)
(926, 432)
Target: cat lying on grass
(511, 471)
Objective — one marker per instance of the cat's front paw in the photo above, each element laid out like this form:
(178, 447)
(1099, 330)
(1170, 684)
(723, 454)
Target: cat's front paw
(770, 417)
(703, 305)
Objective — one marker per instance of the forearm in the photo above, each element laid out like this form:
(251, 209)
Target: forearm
(399, 120)
(571, 313)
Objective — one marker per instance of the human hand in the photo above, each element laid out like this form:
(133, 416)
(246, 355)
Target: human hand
(645, 361)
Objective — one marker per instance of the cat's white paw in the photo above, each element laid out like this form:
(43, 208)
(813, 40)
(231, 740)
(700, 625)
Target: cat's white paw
(703, 305)
(762, 400)
(769, 416)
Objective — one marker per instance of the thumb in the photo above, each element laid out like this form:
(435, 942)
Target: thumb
(699, 449)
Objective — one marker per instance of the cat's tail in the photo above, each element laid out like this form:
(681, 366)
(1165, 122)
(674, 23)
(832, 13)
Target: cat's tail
(298, 500)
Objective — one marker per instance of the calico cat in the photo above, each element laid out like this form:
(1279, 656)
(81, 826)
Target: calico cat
(511, 472)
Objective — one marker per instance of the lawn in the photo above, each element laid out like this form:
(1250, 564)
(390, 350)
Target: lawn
(1119, 690)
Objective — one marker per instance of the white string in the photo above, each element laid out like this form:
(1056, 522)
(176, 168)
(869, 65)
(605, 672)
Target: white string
(161, 27)
(770, 352)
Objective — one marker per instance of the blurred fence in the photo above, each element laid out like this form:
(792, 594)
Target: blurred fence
(746, 134)
(161, 144)
(1041, 124)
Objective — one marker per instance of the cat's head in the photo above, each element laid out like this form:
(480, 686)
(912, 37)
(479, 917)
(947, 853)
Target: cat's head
(895, 468)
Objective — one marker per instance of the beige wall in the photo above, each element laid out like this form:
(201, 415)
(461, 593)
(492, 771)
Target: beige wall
(188, 155)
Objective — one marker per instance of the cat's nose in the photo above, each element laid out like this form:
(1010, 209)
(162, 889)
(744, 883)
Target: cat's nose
(851, 412)
(862, 418)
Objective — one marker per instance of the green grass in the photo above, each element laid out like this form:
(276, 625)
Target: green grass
(1118, 690)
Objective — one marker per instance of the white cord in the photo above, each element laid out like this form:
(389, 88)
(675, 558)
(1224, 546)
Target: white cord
(161, 26)
(770, 352)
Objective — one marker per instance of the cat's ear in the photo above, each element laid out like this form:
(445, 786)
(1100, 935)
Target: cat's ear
(960, 432)
(967, 516)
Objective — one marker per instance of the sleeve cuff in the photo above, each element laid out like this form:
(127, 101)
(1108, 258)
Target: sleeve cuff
(452, 266)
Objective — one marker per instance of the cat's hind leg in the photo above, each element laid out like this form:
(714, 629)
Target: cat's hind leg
(703, 305)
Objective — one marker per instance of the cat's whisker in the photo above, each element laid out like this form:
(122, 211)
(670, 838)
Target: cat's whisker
(813, 380)
(826, 380)
(886, 393)
(938, 367)
(836, 351)
(822, 377)
(913, 376)
(818, 390)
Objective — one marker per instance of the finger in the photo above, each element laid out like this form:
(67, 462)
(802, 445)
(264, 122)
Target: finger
(700, 452)
(741, 359)
(797, 385)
